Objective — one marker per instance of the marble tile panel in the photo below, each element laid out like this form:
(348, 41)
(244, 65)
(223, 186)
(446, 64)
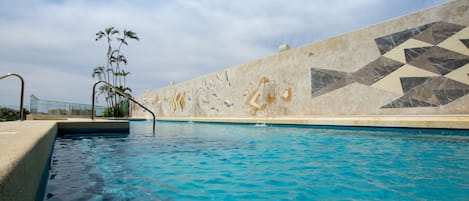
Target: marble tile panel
(434, 91)
(323, 81)
(426, 90)
(376, 70)
(438, 32)
(460, 74)
(388, 42)
(392, 82)
(409, 83)
(455, 43)
(449, 95)
(440, 60)
(398, 52)
(412, 53)
(406, 101)
(411, 66)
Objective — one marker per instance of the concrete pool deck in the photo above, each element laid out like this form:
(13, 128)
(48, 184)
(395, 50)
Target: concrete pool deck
(25, 146)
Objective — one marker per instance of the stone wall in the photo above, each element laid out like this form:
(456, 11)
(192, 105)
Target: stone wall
(413, 65)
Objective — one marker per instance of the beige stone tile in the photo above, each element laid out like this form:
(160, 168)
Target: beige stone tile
(460, 74)
(454, 44)
(398, 52)
(392, 82)
(351, 99)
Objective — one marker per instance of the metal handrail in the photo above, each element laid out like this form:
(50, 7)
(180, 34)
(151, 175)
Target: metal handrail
(22, 91)
(122, 94)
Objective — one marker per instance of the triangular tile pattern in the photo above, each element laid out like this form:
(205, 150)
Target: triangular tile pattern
(434, 91)
(425, 65)
(323, 81)
(448, 58)
(406, 101)
(412, 53)
(438, 32)
(398, 53)
(460, 74)
(455, 43)
(439, 60)
(392, 82)
(375, 71)
(389, 42)
(409, 83)
(449, 95)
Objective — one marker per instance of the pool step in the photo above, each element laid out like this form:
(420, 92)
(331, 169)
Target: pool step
(92, 128)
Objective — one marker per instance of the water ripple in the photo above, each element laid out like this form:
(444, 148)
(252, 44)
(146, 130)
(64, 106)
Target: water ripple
(233, 162)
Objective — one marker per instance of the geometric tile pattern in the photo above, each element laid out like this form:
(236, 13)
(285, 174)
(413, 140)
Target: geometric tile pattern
(375, 71)
(436, 59)
(398, 53)
(459, 42)
(392, 82)
(428, 91)
(389, 42)
(460, 74)
(438, 32)
(427, 65)
(324, 81)
(414, 53)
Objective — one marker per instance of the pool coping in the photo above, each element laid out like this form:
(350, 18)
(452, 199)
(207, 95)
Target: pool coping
(395, 121)
(26, 148)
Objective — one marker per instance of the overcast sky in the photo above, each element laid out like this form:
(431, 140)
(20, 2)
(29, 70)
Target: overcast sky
(51, 42)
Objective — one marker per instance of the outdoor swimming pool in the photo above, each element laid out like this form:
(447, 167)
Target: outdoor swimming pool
(194, 161)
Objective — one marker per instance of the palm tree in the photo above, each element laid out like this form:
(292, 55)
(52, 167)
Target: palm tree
(113, 68)
(108, 34)
(128, 34)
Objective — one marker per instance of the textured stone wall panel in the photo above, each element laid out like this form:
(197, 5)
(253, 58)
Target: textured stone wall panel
(415, 64)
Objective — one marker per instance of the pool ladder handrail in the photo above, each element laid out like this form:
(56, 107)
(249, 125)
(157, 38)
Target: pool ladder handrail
(122, 94)
(22, 91)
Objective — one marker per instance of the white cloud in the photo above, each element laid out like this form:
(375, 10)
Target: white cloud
(45, 83)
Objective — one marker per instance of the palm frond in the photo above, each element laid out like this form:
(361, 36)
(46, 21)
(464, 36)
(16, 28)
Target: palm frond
(124, 73)
(110, 31)
(123, 41)
(98, 71)
(122, 58)
(99, 35)
(130, 34)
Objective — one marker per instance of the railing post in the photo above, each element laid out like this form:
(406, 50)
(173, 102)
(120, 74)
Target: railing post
(22, 92)
(92, 99)
(122, 94)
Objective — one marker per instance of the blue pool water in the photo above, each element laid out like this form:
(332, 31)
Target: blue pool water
(185, 161)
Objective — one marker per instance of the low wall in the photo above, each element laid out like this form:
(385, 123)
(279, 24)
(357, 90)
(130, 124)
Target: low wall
(413, 65)
(25, 148)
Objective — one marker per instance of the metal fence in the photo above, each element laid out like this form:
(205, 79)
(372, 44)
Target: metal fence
(62, 109)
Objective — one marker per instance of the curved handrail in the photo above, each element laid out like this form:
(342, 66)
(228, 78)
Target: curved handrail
(122, 94)
(22, 91)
